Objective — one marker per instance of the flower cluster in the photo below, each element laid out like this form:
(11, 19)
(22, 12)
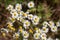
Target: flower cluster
(27, 19)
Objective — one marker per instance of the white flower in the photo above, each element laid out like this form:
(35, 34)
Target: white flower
(25, 34)
(26, 24)
(57, 39)
(51, 24)
(18, 7)
(39, 31)
(19, 18)
(10, 23)
(35, 20)
(45, 23)
(10, 7)
(54, 29)
(49, 38)
(16, 35)
(45, 30)
(14, 13)
(25, 39)
(36, 36)
(58, 24)
(31, 4)
(24, 15)
(43, 35)
(44, 38)
(30, 16)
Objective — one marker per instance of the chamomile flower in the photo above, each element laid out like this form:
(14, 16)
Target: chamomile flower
(18, 7)
(43, 35)
(26, 24)
(58, 24)
(49, 38)
(19, 18)
(25, 34)
(31, 4)
(16, 35)
(10, 7)
(45, 23)
(44, 38)
(35, 20)
(30, 16)
(24, 15)
(14, 15)
(39, 31)
(36, 36)
(45, 30)
(51, 24)
(54, 29)
(10, 23)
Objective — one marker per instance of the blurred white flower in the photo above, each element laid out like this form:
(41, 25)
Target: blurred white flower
(51, 24)
(16, 35)
(26, 24)
(44, 38)
(10, 7)
(45, 30)
(24, 15)
(43, 35)
(35, 20)
(49, 38)
(31, 4)
(25, 34)
(30, 16)
(45, 23)
(54, 29)
(58, 24)
(14, 14)
(36, 36)
(25, 39)
(18, 7)
(39, 31)
(57, 39)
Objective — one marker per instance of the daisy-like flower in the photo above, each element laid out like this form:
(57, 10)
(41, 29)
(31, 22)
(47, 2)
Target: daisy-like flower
(18, 7)
(10, 7)
(45, 23)
(16, 35)
(25, 34)
(35, 20)
(19, 18)
(14, 13)
(49, 38)
(31, 4)
(30, 16)
(36, 36)
(58, 24)
(44, 38)
(43, 35)
(39, 31)
(54, 29)
(45, 30)
(51, 24)
(26, 24)
(24, 15)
